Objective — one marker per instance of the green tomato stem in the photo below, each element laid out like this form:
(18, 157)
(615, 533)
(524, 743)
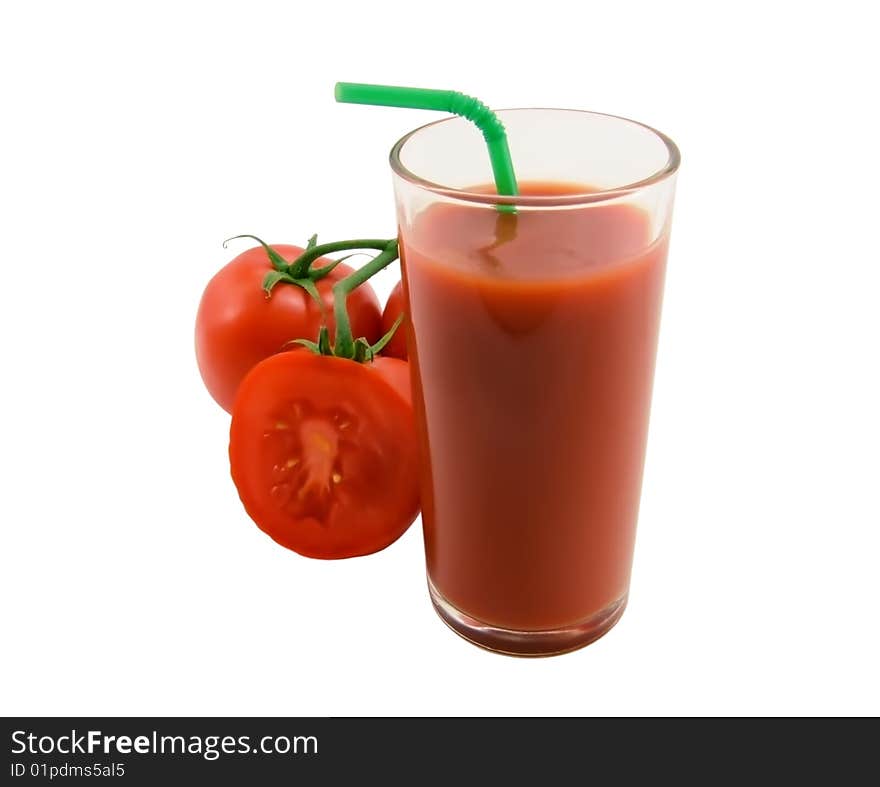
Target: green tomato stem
(344, 346)
(300, 267)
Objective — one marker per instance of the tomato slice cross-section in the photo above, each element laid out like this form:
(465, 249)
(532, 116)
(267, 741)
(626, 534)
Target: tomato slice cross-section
(323, 452)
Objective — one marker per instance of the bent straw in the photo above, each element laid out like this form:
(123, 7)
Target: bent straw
(443, 101)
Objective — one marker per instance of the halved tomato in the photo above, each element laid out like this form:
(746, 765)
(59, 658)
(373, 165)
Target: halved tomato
(323, 452)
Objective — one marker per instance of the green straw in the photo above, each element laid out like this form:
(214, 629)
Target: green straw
(443, 101)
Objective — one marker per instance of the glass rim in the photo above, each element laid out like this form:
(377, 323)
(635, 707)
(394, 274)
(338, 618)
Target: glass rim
(669, 169)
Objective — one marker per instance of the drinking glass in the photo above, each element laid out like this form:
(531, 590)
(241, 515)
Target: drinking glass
(532, 330)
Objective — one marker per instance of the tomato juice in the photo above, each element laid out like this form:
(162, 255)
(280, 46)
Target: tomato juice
(532, 339)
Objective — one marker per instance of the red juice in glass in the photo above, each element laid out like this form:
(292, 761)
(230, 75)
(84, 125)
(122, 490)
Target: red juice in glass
(532, 337)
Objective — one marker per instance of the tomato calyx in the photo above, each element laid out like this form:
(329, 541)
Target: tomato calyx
(299, 272)
(362, 350)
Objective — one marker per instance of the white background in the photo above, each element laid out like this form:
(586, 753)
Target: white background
(137, 136)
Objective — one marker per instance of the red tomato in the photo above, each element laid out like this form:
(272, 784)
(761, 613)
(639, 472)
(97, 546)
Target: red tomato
(396, 348)
(323, 452)
(238, 325)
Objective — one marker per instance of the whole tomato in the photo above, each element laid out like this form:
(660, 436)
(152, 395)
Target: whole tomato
(396, 305)
(239, 324)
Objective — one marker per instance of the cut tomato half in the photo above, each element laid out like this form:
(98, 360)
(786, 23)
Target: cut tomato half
(323, 452)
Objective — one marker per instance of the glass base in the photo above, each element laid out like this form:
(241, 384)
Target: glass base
(546, 642)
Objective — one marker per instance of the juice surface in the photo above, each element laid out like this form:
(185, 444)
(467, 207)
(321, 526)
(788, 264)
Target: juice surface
(532, 338)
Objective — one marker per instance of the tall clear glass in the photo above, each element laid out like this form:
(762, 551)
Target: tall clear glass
(532, 337)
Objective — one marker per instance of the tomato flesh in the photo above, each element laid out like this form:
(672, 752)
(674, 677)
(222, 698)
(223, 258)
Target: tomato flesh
(323, 453)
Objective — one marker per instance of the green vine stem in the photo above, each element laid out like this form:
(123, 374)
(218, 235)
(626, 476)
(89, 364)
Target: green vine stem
(302, 264)
(346, 346)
